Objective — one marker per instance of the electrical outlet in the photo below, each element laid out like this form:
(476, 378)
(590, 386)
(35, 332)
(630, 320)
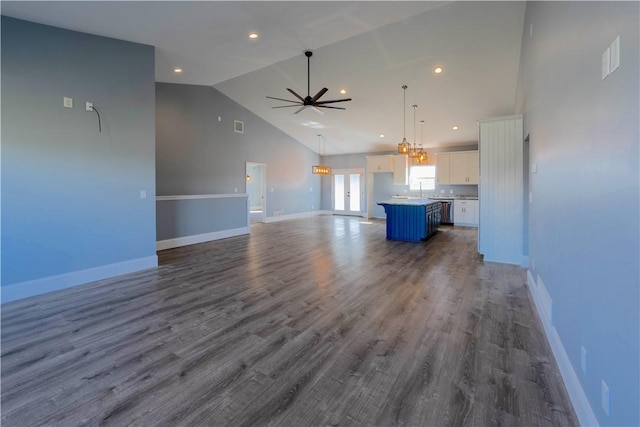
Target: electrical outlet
(67, 102)
(88, 106)
(605, 398)
(583, 360)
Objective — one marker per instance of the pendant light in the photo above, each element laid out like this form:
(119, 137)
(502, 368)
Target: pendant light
(421, 156)
(404, 147)
(414, 149)
(321, 169)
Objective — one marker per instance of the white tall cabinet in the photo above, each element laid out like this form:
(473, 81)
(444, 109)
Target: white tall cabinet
(500, 191)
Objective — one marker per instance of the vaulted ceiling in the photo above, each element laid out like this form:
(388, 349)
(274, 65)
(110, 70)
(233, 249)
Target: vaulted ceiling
(370, 49)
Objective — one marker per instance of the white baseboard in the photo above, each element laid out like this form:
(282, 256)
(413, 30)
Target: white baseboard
(200, 238)
(581, 404)
(296, 216)
(61, 281)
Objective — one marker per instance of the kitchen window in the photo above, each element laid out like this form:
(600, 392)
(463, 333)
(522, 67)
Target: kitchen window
(425, 175)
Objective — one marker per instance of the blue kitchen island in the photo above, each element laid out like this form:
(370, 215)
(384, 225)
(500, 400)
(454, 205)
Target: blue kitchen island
(412, 220)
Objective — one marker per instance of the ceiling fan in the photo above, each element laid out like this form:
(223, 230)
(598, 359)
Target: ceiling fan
(308, 101)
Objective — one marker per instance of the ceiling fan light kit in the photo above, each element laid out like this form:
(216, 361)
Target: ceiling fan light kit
(309, 101)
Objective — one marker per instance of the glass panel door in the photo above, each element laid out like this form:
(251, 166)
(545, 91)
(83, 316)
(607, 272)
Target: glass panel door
(354, 195)
(347, 189)
(339, 192)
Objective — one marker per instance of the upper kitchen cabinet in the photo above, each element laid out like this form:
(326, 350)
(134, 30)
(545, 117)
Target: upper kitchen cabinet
(397, 164)
(400, 169)
(464, 167)
(382, 163)
(443, 163)
(457, 168)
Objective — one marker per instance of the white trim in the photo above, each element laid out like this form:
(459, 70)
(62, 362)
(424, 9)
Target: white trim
(501, 118)
(581, 404)
(67, 280)
(297, 216)
(201, 196)
(200, 238)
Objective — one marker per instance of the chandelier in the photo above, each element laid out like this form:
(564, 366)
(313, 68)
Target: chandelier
(321, 169)
(404, 147)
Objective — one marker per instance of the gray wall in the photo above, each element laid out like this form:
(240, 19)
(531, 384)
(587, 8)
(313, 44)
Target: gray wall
(583, 220)
(71, 195)
(197, 154)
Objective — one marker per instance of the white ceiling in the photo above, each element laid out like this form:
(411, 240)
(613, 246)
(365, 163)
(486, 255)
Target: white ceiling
(370, 48)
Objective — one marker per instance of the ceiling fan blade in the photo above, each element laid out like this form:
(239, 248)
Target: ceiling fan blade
(281, 99)
(287, 106)
(301, 108)
(319, 94)
(327, 106)
(317, 110)
(334, 100)
(296, 95)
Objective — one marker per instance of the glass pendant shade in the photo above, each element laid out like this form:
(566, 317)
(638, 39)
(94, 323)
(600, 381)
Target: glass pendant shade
(404, 147)
(321, 170)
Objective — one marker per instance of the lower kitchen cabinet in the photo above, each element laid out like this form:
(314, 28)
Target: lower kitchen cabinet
(465, 212)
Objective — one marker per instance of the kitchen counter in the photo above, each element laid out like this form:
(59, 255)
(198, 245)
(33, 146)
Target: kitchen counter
(437, 197)
(412, 220)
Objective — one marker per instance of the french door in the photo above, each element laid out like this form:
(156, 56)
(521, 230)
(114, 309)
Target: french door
(347, 190)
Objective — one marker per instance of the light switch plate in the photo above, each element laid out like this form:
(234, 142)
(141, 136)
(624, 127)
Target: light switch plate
(605, 63)
(614, 59)
(67, 102)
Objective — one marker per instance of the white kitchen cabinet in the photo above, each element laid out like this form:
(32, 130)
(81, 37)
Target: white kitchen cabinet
(400, 169)
(442, 168)
(465, 212)
(457, 168)
(383, 163)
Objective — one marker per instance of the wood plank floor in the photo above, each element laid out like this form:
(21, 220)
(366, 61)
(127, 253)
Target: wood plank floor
(311, 322)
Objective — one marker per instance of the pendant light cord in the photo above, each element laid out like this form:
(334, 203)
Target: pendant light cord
(404, 113)
(414, 125)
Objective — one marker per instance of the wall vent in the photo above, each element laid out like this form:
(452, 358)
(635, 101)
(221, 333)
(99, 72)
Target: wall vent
(238, 126)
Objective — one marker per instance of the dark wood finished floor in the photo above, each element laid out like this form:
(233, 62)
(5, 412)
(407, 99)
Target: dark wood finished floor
(314, 322)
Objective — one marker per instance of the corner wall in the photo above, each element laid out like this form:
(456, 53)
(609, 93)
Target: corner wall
(199, 154)
(584, 229)
(72, 210)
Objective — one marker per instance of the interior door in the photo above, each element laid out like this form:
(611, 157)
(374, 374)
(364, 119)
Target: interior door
(347, 189)
(256, 189)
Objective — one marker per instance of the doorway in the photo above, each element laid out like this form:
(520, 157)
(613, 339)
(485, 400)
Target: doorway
(256, 188)
(347, 190)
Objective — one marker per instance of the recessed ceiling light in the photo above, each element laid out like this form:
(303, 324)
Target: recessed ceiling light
(177, 70)
(437, 70)
(454, 127)
(343, 91)
(253, 35)
(382, 135)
